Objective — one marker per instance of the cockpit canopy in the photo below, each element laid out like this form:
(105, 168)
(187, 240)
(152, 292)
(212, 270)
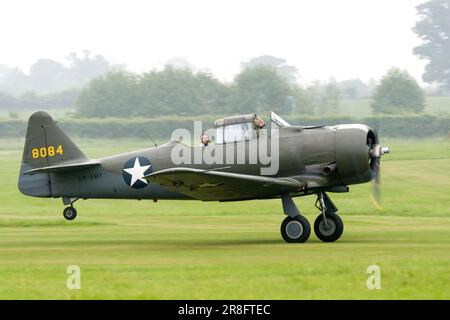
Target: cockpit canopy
(242, 127)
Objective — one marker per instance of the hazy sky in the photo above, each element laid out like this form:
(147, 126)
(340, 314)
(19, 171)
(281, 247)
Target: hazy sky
(323, 38)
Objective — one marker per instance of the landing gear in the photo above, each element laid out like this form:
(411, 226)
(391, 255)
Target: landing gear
(328, 226)
(70, 213)
(294, 228)
(329, 231)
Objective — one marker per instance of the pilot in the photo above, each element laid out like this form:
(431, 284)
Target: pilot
(204, 139)
(258, 124)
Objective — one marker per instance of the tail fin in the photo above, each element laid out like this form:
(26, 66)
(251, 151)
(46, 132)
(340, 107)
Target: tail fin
(45, 145)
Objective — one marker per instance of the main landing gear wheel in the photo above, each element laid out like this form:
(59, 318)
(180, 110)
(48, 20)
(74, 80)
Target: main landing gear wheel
(295, 229)
(70, 213)
(331, 230)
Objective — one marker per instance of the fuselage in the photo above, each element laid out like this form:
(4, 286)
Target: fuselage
(328, 157)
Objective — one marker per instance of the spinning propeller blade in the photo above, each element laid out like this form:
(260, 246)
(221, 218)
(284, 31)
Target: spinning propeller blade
(375, 153)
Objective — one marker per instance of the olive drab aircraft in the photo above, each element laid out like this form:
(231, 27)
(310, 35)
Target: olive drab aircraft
(312, 160)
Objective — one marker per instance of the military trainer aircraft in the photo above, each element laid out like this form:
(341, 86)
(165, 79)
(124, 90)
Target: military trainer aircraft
(312, 160)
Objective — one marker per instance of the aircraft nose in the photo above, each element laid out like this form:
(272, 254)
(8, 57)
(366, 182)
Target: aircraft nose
(355, 145)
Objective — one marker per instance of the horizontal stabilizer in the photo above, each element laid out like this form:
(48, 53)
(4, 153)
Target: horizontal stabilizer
(64, 167)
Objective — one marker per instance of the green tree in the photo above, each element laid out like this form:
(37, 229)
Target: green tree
(260, 88)
(398, 91)
(86, 67)
(331, 98)
(322, 98)
(179, 63)
(354, 89)
(288, 72)
(47, 75)
(181, 91)
(114, 94)
(62, 99)
(301, 102)
(434, 30)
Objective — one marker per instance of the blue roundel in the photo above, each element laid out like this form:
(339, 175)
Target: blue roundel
(133, 171)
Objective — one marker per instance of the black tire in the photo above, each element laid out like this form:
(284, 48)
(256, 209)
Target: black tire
(295, 230)
(335, 228)
(70, 213)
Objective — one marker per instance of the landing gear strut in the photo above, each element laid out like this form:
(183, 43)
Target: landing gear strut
(328, 226)
(70, 213)
(294, 228)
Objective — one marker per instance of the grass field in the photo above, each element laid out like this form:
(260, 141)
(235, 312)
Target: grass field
(195, 250)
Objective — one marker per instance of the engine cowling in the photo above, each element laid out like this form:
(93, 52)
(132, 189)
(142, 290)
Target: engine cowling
(354, 143)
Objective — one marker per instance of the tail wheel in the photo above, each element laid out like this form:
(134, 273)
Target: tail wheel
(295, 229)
(332, 230)
(70, 213)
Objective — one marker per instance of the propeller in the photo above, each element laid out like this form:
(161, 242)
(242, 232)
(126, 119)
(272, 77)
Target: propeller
(376, 185)
(376, 151)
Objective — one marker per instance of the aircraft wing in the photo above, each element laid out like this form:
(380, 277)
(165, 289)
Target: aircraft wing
(208, 185)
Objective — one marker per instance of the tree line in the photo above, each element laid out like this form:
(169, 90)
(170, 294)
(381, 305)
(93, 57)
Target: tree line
(32, 100)
(181, 91)
(257, 88)
(264, 83)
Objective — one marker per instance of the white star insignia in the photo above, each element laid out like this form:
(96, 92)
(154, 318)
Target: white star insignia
(137, 172)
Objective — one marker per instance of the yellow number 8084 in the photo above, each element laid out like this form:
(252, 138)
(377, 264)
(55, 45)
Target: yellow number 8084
(46, 152)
